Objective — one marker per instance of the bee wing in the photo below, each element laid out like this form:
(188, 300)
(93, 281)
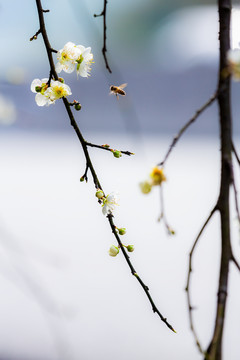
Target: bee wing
(122, 86)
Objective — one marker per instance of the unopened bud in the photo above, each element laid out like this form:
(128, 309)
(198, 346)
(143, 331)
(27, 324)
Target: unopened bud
(82, 178)
(117, 153)
(78, 106)
(99, 194)
(38, 88)
(61, 80)
(130, 248)
(113, 251)
(122, 231)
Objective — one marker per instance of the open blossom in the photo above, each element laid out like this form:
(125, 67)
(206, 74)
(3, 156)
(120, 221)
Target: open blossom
(40, 86)
(84, 61)
(57, 90)
(47, 95)
(109, 203)
(233, 58)
(67, 58)
(157, 176)
(74, 55)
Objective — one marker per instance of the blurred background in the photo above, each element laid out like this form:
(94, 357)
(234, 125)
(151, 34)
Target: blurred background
(62, 295)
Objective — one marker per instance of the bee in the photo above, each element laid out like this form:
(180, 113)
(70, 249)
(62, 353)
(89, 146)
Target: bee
(118, 90)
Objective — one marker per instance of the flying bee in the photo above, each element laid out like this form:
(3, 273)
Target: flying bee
(118, 90)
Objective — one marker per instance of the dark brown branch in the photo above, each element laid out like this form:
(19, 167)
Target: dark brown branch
(186, 126)
(214, 351)
(190, 307)
(104, 49)
(89, 164)
(134, 273)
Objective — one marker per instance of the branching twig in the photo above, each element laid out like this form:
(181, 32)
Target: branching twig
(235, 262)
(106, 147)
(186, 126)
(162, 215)
(89, 164)
(104, 49)
(235, 153)
(190, 307)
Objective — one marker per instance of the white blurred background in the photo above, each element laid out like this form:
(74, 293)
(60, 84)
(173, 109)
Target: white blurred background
(62, 295)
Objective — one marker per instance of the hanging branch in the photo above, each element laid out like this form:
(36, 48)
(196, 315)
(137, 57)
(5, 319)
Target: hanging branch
(104, 49)
(89, 165)
(186, 126)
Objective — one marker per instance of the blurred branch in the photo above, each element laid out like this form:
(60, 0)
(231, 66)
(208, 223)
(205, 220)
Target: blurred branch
(186, 126)
(190, 307)
(104, 49)
(235, 153)
(89, 164)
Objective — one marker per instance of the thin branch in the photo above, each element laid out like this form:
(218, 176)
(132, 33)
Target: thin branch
(186, 126)
(134, 273)
(162, 216)
(235, 153)
(235, 262)
(89, 164)
(107, 148)
(190, 307)
(104, 49)
(235, 195)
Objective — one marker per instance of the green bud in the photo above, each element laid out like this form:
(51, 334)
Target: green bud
(130, 248)
(61, 80)
(99, 194)
(82, 178)
(78, 107)
(117, 153)
(122, 231)
(38, 88)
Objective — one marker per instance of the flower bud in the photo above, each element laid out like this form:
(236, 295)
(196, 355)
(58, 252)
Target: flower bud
(117, 153)
(113, 251)
(38, 89)
(99, 194)
(145, 187)
(61, 80)
(106, 146)
(122, 231)
(78, 106)
(130, 248)
(82, 178)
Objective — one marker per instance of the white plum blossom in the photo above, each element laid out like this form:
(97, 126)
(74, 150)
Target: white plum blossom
(67, 58)
(40, 86)
(47, 95)
(109, 203)
(84, 62)
(113, 251)
(233, 58)
(57, 90)
(74, 55)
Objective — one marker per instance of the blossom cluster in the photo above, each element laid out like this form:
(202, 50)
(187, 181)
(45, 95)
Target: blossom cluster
(74, 56)
(47, 94)
(70, 57)
(156, 177)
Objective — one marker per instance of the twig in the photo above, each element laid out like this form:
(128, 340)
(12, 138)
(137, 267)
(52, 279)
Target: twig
(235, 262)
(134, 273)
(186, 126)
(104, 49)
(236, 154)
(107, 148)
(89, 164)
(190, 307)
(162, 216)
